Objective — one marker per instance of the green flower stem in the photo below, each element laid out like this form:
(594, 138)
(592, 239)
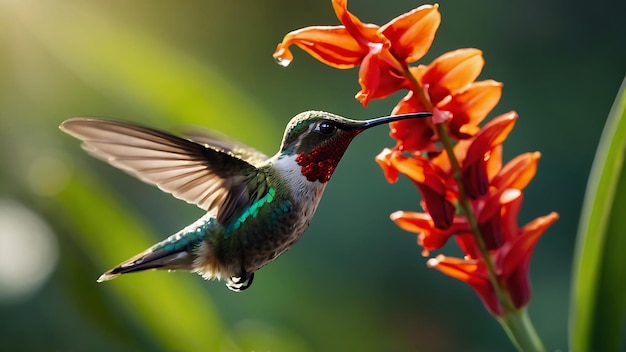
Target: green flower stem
(515, 322)
(521, 331)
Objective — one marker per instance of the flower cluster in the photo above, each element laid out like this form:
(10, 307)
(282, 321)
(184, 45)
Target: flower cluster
(467, 193)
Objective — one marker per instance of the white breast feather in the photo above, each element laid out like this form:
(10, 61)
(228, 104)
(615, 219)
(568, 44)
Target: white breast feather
(305, 192)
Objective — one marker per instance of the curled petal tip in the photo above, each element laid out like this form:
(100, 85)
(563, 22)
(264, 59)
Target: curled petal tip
(395, 215)
(362, 98)
(510, 195)
(552, 217)
(432, 262)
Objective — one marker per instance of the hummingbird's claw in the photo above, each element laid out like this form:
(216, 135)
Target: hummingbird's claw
(240, 283)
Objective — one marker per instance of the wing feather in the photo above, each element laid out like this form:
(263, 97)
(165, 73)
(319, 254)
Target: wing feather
(214, 178)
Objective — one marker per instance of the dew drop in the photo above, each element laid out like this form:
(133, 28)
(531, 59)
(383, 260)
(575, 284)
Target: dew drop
(283, 62)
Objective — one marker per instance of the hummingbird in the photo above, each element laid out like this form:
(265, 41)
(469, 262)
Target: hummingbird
(256, 206)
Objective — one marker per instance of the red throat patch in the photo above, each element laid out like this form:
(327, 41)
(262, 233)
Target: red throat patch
(321, 162)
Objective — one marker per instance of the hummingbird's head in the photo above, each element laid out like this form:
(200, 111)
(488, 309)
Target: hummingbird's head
(319, 139)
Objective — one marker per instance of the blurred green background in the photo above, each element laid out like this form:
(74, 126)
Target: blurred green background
(355, 281)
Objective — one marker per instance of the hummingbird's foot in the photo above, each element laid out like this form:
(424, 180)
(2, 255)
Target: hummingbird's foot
(241, 282)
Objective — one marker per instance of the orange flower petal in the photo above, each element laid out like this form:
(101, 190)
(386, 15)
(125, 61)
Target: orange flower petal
(369, 78)
(377, 76)
(492, 134)
(514, 259)
(519, 250)
(518, 172)
(419, 170)
(511, 200)
(494, 164)
(411, 34)
(470, 106)
(452, 71)
(430, 237)
(362, 33)
(412, 221)
(471, 272)
(432, 185)
(333, 46)
(384, 161)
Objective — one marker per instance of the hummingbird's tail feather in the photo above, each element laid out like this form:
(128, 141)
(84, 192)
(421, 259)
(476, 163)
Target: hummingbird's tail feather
(180, 251)
(151, 259)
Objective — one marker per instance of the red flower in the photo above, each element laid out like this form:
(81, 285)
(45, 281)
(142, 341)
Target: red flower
(512, 262)
(480, 163)
(495, 197)
(382, 52)
(448, 85)
(429, 236)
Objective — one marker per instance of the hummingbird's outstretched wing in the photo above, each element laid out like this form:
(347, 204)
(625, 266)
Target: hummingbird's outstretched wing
(213, 179)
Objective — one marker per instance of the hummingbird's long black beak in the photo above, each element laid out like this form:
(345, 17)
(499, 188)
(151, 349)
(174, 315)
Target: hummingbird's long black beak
(387, 119)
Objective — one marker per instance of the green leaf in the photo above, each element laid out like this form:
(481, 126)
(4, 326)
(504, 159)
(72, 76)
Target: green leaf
(598, 306)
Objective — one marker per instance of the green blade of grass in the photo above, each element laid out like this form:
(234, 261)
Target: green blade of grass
(598, 306)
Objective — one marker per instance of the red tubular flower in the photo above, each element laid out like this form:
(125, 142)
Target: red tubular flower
(382, 52)
(475, 164)
(484, 181)
(430, 237)
(430, 180)
(512, 262)
(495, 198)
(448, 85)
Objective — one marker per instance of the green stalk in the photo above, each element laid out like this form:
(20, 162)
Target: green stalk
(521, 330)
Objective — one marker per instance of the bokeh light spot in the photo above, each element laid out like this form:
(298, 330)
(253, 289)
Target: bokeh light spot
(28, 251)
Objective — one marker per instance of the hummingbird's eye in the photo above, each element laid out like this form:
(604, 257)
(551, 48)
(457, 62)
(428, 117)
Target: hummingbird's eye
(326, 128)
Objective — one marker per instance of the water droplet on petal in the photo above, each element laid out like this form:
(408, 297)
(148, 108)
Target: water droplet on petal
(283, 62)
